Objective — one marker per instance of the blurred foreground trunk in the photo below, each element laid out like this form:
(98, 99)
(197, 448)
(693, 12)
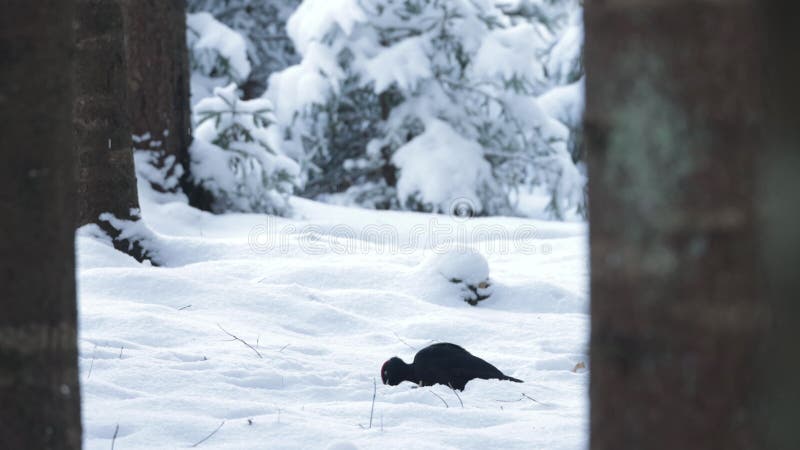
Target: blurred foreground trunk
(39, 391)
(779, 185)
(674, 124)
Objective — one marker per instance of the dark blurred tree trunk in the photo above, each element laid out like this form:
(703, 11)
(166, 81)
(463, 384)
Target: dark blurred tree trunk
(780, 222)
(158, 85)
(673, 125)
(39, 391)
(106, 176)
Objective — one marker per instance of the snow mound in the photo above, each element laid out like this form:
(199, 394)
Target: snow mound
(462, 264)
(463, 267)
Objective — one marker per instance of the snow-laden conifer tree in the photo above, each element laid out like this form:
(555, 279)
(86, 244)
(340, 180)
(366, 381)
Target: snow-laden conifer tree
(262, 26)
(236, 157)
(236, 154)
(419, 103)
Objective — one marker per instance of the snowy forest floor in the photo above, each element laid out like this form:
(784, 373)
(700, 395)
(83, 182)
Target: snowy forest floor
(324, 300)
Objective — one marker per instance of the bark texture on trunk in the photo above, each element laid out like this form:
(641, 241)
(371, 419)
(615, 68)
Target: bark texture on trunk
(158, 84)
(106, 177)
(673, 124)
(39, 390)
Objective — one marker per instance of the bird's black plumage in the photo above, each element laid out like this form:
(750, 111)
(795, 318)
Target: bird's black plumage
(442, 363)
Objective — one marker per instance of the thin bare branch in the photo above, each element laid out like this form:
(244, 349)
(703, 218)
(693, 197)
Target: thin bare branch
(209, 436)
(372, 408)
(457, 396)
(510, 401)
(440, 398)
(236, 338)
(531, 399)
(404, 342)
(91, 365)
(114, 438)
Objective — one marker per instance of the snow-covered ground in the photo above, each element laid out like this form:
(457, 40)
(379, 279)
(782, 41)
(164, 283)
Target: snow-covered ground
(324, 300)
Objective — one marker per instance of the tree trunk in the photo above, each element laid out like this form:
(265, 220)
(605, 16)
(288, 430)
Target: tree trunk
(673, 125)
(158, 85)
(39, 390)
(779, 224)
(106, 175)
(106, 180)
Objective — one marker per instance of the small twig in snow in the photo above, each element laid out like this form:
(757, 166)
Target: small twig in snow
(114, 438)
(524, 396)
(440, 398)
(404, 342)
(184, 307)
(457, 396)
(209, 436)
(120, 351)
(532, 399)
(91, 365)
(510, 401)
(236, 338)
(283, 348)
(372, 408)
